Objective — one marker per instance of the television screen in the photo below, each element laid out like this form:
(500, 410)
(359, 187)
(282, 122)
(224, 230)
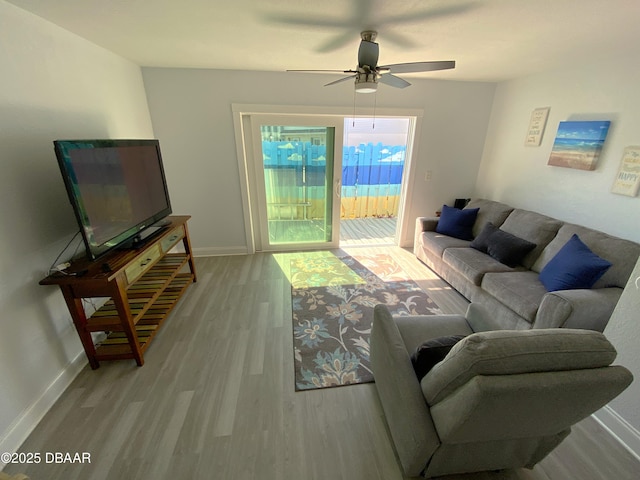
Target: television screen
(117, 188)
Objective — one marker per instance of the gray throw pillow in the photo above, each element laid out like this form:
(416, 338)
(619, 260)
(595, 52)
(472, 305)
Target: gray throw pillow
(481, 242)
(507, 248)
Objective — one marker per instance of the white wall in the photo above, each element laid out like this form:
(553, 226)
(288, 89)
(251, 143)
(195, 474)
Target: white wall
(53, 84)
(624, 411)
(192, 117)
(520, 176)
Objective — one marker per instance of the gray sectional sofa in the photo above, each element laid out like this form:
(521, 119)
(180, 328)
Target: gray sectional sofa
(515, 295)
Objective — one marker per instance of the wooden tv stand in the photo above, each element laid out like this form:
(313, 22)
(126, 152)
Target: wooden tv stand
(143, 284)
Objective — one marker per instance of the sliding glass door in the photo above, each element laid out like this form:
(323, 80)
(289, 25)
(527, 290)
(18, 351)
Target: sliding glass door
(297, 181)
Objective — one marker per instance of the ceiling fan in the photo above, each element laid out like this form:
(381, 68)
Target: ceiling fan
(368, 74)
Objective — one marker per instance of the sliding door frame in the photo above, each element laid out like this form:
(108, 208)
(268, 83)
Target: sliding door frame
(260, 221)
(242, 122)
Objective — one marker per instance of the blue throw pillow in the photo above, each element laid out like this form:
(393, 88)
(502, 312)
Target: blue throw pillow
(574, 266)
(457, 223)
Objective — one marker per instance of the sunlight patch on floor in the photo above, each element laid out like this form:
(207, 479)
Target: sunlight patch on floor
(316, 269)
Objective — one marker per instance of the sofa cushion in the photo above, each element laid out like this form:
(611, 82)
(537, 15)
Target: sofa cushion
(437, 243)
(533, 227)
(509, 352)
(457, 223)
(623, 254)
(489, 211)
(574, 266)
(472, 264)
(520, 291)
(431, 352)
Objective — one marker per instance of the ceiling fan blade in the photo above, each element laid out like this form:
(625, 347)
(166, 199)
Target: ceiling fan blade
(368, 54)
(340, 80)
(398, 39)
(420, 66)
(311, 21)
(325, 71)
(430, 14)
(393, 81)
(335, 42)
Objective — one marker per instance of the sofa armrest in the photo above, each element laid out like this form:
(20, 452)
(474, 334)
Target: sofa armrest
(423, 224)
(426, 224)
(405, 408)
(588, 309)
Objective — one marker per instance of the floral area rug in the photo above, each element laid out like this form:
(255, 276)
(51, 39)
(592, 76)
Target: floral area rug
(332, 302)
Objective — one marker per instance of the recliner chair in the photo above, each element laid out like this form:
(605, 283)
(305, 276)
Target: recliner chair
(499, 400)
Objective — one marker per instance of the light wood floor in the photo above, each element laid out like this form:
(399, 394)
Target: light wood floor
(353, 231)
(215, 399)
(367, 231)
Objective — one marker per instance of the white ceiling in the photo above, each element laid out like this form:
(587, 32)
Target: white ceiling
(491, 40)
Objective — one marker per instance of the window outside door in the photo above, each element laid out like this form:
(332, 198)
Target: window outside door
(296, 182)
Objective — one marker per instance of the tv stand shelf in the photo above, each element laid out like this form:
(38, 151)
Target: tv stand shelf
(144, 284)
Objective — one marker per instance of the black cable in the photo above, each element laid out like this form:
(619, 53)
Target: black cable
(53, 268)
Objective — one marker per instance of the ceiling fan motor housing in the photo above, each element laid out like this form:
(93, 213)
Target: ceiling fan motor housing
(368, 54)
(366, 82)
(367, 76)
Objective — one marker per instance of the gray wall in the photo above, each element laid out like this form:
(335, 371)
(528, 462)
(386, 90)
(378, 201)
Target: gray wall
(191, 111)
(53, 85)
(624, 333)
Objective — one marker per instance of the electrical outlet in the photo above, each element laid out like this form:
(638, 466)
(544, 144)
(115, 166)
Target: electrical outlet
(427, 176)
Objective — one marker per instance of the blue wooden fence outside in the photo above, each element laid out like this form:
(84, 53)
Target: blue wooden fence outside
(369, 171)
(363, 165)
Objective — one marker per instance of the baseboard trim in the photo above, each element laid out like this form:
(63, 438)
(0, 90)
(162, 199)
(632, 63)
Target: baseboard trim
(620, 429)
(25, 423)
(219, 251)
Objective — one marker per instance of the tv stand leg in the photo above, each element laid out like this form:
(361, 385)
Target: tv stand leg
(122, 306)
(80, 321)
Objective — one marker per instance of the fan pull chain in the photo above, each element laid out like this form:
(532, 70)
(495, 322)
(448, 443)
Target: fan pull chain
(353, 125)
(375, 105)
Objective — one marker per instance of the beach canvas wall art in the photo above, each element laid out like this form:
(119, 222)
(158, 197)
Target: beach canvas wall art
(578, 144)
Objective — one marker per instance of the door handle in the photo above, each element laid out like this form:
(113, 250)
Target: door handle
(338, 188)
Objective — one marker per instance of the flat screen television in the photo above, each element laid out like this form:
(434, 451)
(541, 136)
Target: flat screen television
(117, 189)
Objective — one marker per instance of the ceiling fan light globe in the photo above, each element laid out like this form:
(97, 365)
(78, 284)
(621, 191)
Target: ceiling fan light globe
(366, 87)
